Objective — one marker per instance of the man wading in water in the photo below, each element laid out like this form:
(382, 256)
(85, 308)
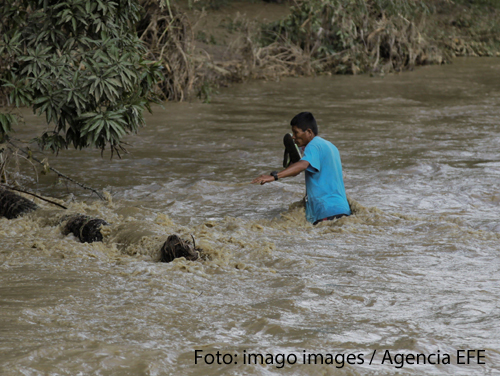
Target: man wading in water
(326, 198)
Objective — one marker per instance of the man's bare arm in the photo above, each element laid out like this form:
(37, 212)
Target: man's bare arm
(292, 170)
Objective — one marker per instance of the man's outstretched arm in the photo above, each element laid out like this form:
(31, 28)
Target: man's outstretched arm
(292, 170)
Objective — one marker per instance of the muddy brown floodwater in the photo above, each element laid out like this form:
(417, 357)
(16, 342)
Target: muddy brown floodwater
(415, 271)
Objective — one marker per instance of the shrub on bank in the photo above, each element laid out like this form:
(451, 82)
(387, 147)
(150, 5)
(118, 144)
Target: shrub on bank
(351, 36)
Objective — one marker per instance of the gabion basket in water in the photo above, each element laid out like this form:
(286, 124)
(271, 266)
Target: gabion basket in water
(13, 205)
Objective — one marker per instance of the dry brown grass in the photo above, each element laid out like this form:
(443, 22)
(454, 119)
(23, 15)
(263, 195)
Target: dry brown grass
(169, 38)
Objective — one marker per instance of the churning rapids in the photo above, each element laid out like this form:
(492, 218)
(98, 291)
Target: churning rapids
(416, 270)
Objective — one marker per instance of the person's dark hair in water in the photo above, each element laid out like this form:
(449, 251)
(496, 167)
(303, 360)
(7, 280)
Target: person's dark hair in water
(305, 121)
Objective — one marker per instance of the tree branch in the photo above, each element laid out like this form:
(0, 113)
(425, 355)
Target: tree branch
(60, 173)
(32, 194)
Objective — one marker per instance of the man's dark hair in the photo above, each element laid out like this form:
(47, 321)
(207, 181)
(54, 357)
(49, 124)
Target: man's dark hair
(305, 121)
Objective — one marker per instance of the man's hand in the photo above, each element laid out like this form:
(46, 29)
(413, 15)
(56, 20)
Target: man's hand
(263, 179)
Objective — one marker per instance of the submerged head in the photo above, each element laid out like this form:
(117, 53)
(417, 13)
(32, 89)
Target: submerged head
(304, 128)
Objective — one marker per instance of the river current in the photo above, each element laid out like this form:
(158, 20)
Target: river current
(416, 269)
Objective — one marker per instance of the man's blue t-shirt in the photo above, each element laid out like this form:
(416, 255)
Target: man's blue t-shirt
(324, 183)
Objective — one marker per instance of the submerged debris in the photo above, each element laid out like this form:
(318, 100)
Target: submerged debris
(13, 205)
(88, 229)
(175, 247)
(85, 228)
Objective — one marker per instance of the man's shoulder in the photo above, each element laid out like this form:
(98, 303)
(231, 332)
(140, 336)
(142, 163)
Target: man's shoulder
(317, 141)
(320, 143)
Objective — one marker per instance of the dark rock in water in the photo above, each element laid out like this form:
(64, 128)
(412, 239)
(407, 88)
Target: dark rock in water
(85, 228)
(12, 205)
(175, 247)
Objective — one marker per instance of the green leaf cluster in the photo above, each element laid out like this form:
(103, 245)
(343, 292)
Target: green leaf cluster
(6, 122)
(80, 64)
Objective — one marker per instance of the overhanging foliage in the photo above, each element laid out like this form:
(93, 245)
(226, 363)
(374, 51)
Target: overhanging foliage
(80, 64)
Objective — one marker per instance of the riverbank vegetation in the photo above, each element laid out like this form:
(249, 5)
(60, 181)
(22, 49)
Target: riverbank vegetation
(380, 36)
(351, 37)
(91, 68)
